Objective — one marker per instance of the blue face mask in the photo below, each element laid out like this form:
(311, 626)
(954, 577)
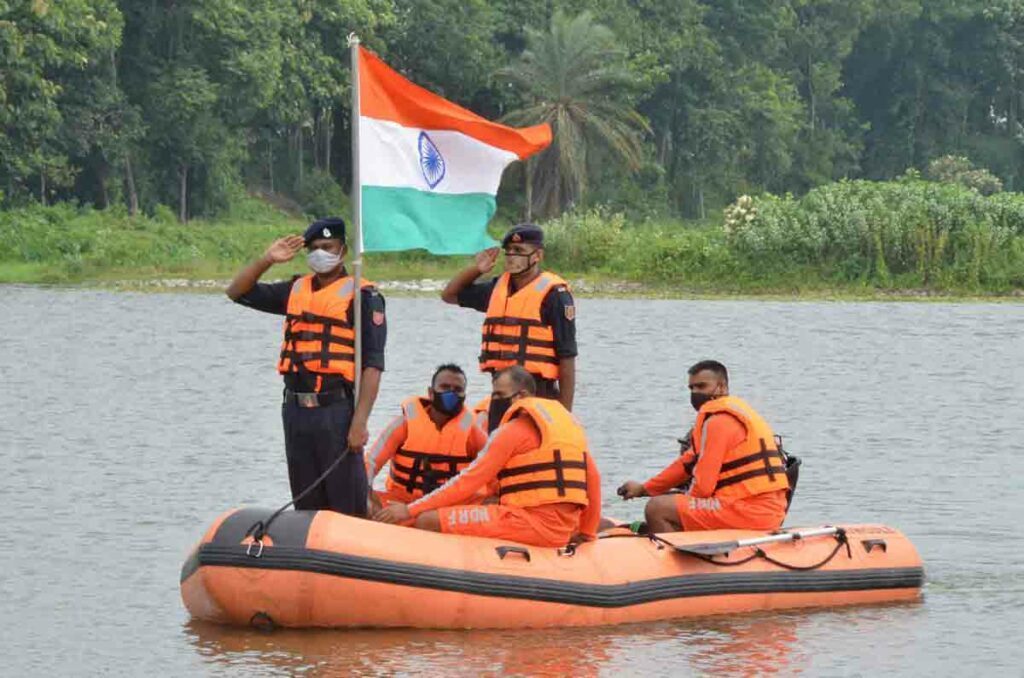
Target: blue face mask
(448, 402)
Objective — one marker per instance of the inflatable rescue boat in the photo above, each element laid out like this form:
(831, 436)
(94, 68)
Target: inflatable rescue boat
(324, 569)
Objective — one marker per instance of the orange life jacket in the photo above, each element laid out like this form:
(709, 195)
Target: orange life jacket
(513, 332)
(481, 412)
(318, 337)
(753, 467)
(555, 472)
(429, 457)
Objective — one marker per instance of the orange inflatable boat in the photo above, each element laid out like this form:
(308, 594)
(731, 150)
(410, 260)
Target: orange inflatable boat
(320, 568)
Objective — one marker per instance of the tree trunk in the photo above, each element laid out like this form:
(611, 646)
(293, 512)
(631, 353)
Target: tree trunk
(317, 137)
(298, 140)
(810, 90)
(129, 180)
(270, 162)
(183, 194)
(42, 186)
(104, 195)
(528, 174)
(328, 130)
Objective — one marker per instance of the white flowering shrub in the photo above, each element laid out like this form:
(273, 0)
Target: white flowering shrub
(871, 230)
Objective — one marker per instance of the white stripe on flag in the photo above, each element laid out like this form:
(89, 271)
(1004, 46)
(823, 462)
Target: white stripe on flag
(389, 155)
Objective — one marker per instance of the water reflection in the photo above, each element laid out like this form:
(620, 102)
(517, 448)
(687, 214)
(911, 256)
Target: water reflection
(578, 652)
(132, 442)
(756, 644)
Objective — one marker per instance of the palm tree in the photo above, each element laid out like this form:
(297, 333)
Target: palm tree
(573, 77)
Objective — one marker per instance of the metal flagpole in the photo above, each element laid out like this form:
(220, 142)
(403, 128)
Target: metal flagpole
(357, 218)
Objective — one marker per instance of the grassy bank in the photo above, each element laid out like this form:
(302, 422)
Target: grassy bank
(770, 246)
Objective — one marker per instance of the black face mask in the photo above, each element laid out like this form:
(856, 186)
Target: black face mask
(447, 402)
(497, 410)
(698, 399)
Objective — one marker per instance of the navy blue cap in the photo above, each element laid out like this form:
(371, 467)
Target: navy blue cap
(525, 233)
(332, 228)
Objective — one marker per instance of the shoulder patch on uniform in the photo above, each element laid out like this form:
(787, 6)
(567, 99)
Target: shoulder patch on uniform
(378, 317)
(570, 312)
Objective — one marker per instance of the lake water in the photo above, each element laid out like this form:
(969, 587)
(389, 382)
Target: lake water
(128, 422)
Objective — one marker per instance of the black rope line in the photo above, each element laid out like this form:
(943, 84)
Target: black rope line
(260, 527)
(840, 536)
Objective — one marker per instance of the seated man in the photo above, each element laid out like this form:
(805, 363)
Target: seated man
(429, 443)
(549, 490)
(734, 474)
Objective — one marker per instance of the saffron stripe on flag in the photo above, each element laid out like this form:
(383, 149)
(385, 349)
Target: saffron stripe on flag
(386, 95)
(442, 223)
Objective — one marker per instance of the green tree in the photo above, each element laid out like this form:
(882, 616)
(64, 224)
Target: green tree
(822, 36)
(44, 45)
(573, 77)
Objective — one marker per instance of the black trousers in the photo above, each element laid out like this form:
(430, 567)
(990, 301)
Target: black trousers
(547, 388)
(314, 437)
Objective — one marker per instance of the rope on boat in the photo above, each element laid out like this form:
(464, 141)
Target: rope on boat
(260, 527)
(840, 536)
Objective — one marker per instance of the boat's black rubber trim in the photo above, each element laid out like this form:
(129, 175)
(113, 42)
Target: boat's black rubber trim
(191, 565)
(557, 591)
(289, 529)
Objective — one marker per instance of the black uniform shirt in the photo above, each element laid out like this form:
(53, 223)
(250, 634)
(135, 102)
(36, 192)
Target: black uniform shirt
(273, 298)
(557, 311)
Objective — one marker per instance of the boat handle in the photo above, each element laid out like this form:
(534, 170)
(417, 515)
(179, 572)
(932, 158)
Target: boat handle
(505, 550)
(870, 544)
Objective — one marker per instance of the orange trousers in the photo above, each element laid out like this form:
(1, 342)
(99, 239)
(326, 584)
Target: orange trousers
(385, 497)
(759, 512)
(547, 525)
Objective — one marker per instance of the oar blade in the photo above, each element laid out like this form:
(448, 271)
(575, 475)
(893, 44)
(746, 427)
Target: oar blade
(719, 548)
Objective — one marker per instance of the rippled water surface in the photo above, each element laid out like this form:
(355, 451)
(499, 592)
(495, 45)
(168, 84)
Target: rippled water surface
(129, 421)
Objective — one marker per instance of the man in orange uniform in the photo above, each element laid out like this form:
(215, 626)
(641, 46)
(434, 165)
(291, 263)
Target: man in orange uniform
(734, 473)
(530, 314)
(431, 442)
(549, 488)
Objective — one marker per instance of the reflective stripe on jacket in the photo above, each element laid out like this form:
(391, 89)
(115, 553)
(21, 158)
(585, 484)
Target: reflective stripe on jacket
(318, 336)
(513, 332)
(430, 457)
(753, 467)
(556, 472)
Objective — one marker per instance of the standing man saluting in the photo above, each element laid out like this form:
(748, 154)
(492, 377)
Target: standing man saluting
(318, 363)
(530, 314)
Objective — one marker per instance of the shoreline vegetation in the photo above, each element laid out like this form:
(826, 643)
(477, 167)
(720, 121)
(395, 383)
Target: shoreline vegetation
(702, 149)
(904, 239)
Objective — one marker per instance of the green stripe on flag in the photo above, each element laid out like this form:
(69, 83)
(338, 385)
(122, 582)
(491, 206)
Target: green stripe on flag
(442, 223)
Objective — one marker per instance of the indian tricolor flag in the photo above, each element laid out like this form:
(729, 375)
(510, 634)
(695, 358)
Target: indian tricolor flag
(429, 169)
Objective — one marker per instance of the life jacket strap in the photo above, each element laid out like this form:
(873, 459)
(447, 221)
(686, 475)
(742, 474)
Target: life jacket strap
(519, 357)
(513, 322)
(558, 465)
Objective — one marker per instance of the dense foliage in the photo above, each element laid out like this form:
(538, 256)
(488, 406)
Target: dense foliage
(673, 107)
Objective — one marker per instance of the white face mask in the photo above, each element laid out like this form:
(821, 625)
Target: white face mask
(322, 261)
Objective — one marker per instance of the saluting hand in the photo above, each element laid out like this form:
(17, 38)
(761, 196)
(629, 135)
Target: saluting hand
(393, 514)
(486, 259)
(631, 489)
(284, 249)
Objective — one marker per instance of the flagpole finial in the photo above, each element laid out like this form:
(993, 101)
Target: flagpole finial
(353, 39)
